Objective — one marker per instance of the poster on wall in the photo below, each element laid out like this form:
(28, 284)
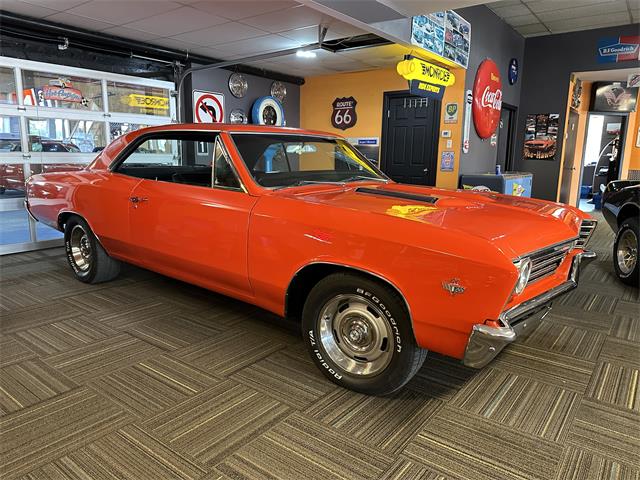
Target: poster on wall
(451, 113)
(541, 135)
(447, 160)
(446, 34)
(613, 97)
(619, 49)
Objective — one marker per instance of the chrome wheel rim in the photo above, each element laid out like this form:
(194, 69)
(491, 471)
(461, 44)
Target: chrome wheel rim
(356, 335)
(627, 254)
(80, 248)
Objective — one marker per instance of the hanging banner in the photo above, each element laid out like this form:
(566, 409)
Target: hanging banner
(415, 69)
(487, 98)
(466, 129)
(208, 107)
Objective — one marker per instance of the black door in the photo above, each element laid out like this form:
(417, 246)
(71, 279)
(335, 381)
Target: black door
(410, 138)
(506, 130)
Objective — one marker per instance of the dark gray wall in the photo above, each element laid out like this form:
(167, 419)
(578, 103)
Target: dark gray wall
(491, 38)
(548, 64)
(217, 80)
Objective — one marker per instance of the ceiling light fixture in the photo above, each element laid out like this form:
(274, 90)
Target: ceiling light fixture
(305, 54)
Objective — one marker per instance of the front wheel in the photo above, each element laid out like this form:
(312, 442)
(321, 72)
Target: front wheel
(625, 252)
(88, 260)
(359, 334)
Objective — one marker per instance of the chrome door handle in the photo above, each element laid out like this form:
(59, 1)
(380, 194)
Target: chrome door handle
(138, 199)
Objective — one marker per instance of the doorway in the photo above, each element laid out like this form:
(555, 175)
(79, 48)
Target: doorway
(602, 156)
(506, 137)
(410, 129)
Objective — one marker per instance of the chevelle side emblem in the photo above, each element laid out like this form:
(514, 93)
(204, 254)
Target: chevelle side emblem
(453, 286)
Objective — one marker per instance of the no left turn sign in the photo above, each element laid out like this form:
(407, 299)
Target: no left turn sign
(208, 107)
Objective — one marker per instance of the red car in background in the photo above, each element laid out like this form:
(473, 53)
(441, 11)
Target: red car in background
(12, 175)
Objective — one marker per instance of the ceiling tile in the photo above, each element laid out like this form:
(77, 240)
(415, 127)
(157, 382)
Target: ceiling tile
(511, 10)
(254, 46)
(22, 8)
(522, 20)
(539, 6)
(587, 23)
(129, 33)
(175, 44)
(184, 19)
(60, 5)
(237, 10)
(600, 9)
(296, 17)
(532, 30)
(77, 21)
(225, 33)
(119, 12)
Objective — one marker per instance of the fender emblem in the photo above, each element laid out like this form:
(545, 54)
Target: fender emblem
(453, 286)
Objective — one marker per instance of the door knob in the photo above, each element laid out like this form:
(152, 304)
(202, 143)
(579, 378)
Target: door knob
(425, 170)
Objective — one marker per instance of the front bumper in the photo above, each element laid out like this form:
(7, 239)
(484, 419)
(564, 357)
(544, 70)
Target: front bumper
(485, 342)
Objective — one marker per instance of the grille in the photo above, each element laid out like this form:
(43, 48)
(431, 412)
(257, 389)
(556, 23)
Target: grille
(586, 230)
(545, 262)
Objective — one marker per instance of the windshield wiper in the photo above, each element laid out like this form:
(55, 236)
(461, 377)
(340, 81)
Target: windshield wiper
(357, 178)
(310, 182)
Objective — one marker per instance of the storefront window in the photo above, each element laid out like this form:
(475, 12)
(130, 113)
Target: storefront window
(9, 134)
(52, 90)
(7, 86)
(66, 136)
(117, 129)
(138, 99)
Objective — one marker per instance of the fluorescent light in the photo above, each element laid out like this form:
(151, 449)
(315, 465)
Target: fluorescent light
(305, 54)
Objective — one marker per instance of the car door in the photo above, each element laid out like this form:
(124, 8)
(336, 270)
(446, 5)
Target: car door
(190, 230)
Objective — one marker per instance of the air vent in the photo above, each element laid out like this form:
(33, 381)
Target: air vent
(403, 195)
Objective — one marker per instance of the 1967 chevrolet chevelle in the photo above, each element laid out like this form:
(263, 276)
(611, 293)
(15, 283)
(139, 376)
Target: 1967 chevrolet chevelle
(301, 224)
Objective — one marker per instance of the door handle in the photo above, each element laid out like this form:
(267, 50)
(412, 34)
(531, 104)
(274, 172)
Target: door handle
(425, 170)
(138, 199)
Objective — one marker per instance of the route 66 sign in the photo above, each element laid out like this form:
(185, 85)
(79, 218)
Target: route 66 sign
(344, 113)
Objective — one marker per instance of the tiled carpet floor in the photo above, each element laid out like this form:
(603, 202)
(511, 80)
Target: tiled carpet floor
(149, 378)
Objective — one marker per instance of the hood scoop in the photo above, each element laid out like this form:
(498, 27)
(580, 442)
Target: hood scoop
(403, 195)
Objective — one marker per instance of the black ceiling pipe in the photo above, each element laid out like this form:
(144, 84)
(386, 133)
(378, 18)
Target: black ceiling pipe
(34, 29)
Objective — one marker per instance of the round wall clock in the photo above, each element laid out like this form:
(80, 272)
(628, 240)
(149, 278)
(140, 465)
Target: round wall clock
(238, 85)
(267, 111)
(238, 116)
(279, 90)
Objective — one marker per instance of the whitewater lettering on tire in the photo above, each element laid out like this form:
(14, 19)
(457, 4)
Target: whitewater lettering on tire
(392, 321)
(312, 340)
(67, 245)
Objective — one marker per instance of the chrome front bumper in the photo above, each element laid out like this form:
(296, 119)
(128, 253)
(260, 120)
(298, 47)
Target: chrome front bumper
(485, 342)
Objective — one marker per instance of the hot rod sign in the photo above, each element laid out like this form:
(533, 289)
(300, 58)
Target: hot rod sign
(344, 113)
(487, 98)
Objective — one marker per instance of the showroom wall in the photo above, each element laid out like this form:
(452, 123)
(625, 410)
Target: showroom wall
(491, 38)
(548, 64)
(368, 87)
(217, 80)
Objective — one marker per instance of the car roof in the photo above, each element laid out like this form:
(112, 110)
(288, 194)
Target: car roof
(232, 128)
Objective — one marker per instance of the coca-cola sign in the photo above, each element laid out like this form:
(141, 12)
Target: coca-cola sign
(487, 98)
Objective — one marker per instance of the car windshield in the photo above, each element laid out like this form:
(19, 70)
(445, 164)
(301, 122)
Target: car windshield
(278, 161)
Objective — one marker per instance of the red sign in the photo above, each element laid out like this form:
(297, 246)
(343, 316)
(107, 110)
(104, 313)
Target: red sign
(487, 98)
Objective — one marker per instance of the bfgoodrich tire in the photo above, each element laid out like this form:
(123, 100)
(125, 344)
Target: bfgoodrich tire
(359, 334)
(87, 259)
(625, 252)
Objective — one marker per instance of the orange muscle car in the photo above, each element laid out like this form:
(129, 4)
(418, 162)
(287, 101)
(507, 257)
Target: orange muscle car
(301, 224)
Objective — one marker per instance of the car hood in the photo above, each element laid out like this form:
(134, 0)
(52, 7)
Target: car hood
(515, 225)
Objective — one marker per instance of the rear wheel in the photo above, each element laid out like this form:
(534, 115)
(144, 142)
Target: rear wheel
(359, 334)
(625, 252)
(88, 260)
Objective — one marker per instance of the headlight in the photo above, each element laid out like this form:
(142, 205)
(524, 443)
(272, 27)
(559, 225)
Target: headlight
(524, 270)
